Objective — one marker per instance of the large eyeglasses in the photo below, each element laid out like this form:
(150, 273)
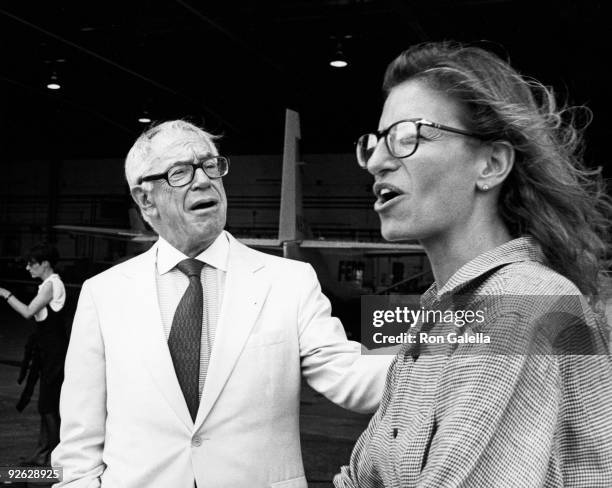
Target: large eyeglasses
(401, 138)
(182, 174)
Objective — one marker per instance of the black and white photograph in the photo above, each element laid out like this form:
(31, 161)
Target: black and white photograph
(292, 244)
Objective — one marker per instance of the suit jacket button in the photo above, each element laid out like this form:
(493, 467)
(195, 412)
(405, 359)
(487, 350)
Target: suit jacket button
(196, 442)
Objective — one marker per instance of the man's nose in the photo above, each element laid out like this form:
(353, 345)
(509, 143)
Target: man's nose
(200, 178)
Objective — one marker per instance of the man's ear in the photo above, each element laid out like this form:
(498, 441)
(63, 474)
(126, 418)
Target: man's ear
(497, 165)
(144, 201)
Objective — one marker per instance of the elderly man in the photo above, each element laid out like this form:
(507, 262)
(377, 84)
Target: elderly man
(185, 362)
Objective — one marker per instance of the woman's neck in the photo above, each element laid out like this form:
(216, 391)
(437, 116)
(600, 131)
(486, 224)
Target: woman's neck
(46, 273)
(448, 253)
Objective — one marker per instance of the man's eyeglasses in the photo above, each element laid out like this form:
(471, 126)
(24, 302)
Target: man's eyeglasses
(182, 174)
(401, 138)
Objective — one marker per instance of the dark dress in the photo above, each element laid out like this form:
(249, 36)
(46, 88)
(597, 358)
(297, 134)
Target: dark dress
(45, 354)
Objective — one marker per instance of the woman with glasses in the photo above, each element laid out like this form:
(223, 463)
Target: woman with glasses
(46, 347)
(480, 166)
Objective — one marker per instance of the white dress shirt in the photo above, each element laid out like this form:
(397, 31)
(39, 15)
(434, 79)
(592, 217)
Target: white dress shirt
(172, 283)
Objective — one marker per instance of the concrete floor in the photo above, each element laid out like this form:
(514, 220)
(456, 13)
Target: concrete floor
(328, 431)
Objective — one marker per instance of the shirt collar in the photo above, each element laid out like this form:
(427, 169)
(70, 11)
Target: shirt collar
(215, 255)
(514, 251)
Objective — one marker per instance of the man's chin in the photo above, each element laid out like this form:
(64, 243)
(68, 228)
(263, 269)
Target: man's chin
(206, 231)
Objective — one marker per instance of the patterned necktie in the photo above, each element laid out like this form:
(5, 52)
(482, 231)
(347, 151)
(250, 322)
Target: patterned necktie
(186, 333)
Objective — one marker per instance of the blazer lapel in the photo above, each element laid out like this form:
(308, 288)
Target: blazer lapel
(144, 322)
(244, 295)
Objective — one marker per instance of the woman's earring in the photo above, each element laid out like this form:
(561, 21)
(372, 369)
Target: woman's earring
(484, 187)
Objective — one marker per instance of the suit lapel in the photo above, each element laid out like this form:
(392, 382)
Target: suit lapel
(144, 321)
(244, 295)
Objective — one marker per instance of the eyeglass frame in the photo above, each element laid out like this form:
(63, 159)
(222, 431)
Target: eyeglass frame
(195, 166)
(380, 134)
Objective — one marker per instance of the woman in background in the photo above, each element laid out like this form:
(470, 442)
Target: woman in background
(46, 349)
(479, 165)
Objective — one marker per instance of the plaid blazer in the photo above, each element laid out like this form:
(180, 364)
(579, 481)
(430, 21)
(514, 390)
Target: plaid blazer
(533, 408)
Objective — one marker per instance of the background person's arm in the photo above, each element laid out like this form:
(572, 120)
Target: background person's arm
(83, 401)
(41, 300)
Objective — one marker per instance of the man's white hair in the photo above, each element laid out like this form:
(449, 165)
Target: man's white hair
(139, 158)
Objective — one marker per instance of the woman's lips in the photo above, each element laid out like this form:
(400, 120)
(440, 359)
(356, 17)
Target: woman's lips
(386, 195)
(381, 205)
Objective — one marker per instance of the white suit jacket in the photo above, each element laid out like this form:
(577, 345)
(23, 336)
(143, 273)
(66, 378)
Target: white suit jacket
(125, 423)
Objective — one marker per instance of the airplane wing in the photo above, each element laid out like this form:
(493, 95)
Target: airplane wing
(378, 247)
(134, 235)
(261, 243)
(110, 233)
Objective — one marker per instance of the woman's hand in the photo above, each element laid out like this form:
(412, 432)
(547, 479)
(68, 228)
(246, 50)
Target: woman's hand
(4, 293)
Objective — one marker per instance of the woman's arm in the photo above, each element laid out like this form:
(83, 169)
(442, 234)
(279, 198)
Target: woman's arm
(44, 297)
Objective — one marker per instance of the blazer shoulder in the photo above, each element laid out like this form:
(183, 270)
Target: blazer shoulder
(285, 264)
(125, 268)
(280, 271)
(248, 254)
(284, 267)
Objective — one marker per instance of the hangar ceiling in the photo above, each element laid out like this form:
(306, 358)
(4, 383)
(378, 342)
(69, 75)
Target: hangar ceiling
(234, 66)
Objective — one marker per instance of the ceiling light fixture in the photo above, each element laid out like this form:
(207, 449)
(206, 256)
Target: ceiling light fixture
(144, 118)
(54, 82)
(339, 59)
